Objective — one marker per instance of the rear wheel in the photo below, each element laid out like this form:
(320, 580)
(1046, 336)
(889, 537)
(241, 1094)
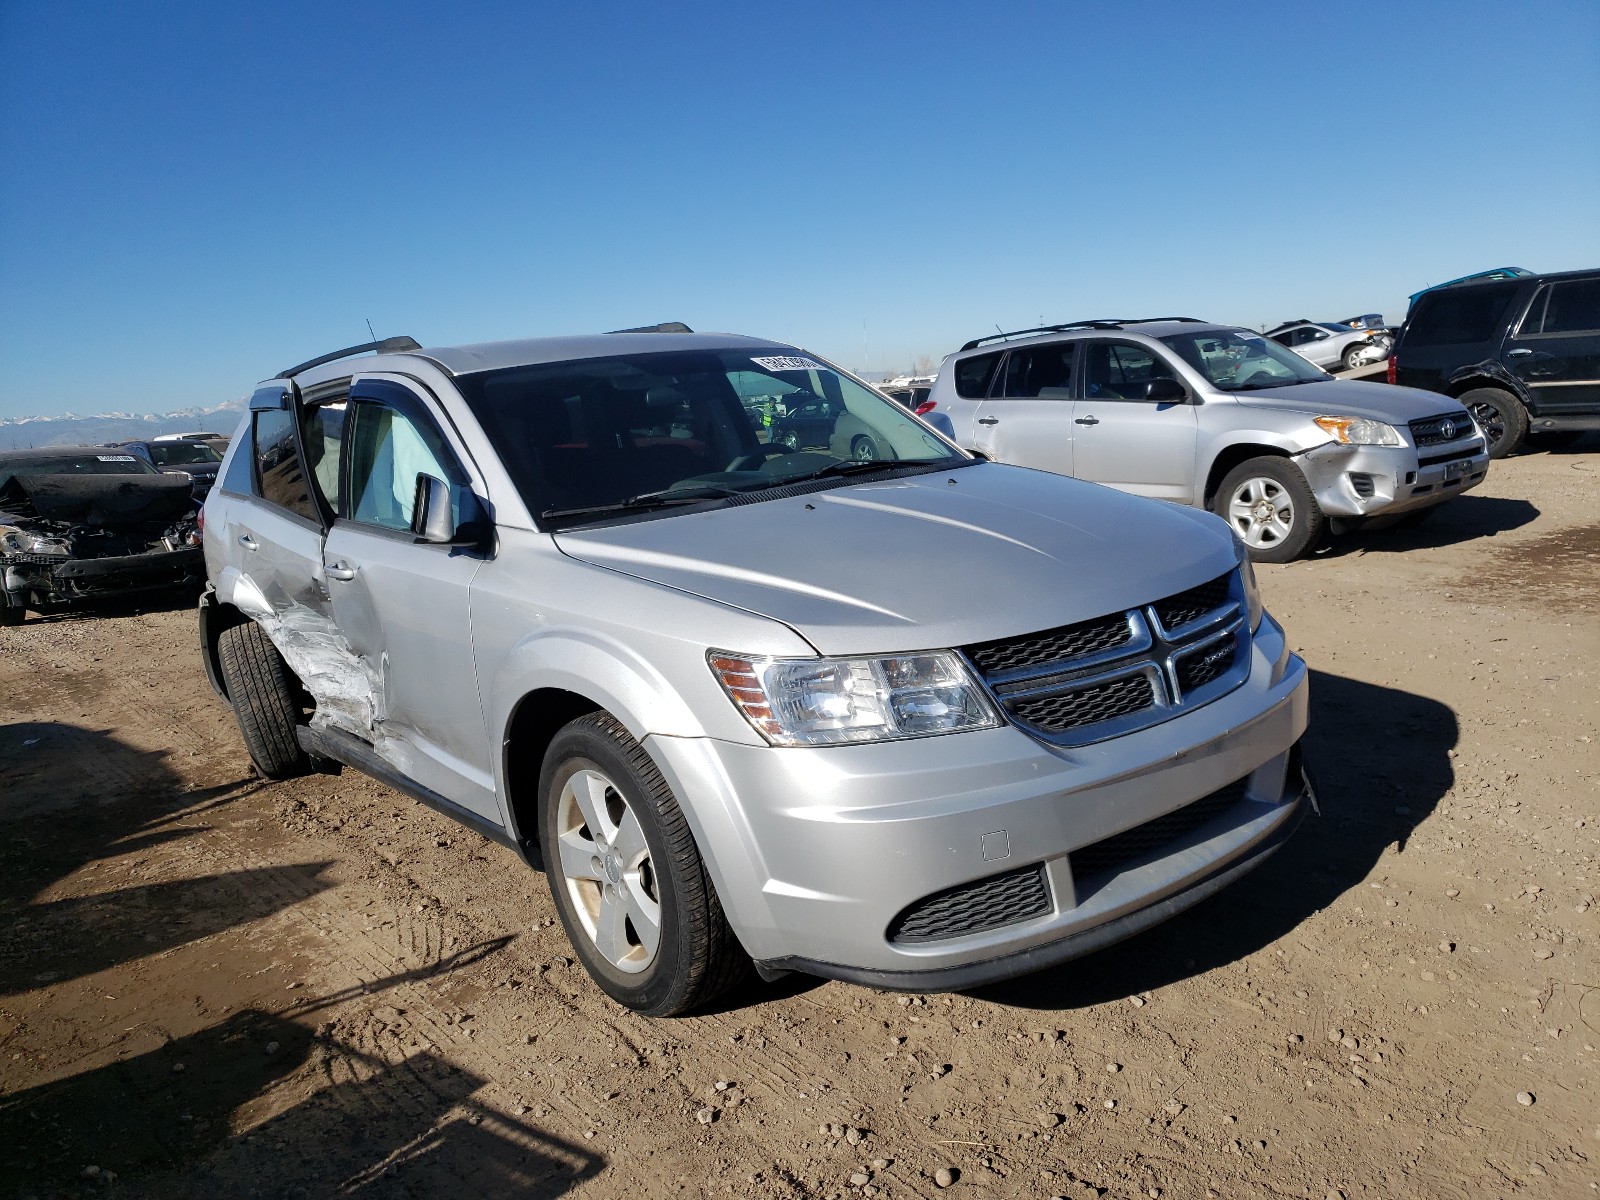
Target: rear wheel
(1501, 417)
(1353, 357)
(11, 614)
(864, 449)
(264, 701)
(1270, 506)
(626, 876)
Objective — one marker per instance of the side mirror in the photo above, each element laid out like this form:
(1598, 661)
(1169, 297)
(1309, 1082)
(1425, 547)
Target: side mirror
(433, 521)
(1166, 390)
(941, 422)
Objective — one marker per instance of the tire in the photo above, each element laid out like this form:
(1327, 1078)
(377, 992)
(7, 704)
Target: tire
(864, 449)
(11, 613)
(789, 440)
(1269, 504)
(263, 697)
(1353, 357)
(1501, 417)
(642, 866)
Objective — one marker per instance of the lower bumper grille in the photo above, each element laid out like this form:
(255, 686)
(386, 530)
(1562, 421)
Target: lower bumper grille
(1110, 855)
(974, 907)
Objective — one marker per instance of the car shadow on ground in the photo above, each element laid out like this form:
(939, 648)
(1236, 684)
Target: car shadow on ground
(1379, 758)
(73, 798)
(227, 1111)
(114, 607)
(1464, 519)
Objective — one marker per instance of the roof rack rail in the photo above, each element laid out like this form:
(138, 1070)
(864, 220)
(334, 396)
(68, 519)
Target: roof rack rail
(1092, 323)
(394, 345)
(1153, 320)
(664, 327)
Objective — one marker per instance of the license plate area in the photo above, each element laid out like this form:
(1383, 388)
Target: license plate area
(1457, 469)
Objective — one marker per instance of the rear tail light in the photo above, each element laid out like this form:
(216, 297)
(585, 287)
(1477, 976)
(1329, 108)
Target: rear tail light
(927, 406)
(200, 521)
(1393, 363)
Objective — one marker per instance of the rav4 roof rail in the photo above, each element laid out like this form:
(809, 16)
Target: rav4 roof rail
(1093, 323)
(1153, 320)
(394, 345)
(664, 327)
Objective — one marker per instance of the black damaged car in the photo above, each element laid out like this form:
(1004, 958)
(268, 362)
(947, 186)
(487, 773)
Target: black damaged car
(79, 523)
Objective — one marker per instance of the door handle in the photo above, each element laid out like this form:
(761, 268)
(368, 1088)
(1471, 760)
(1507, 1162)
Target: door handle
(248, 542)
(1517, 353)
(988, 420)
(339, 571)
(1086, 421)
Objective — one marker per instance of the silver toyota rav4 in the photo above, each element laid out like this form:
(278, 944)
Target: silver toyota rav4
(1213, 416)
(888, 714)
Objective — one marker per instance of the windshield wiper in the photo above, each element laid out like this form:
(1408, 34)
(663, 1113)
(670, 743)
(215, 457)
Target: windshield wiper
(1268, 384)
(854, 466)
(666, 498)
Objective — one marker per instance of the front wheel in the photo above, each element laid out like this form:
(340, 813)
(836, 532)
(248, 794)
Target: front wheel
(12, 611)
(1501, 417)
(262, 693)
(628, 881)
(864, 449)
(1270, 506)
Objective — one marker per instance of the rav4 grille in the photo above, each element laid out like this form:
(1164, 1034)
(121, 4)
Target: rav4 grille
(1123, 671)
(1446, 427)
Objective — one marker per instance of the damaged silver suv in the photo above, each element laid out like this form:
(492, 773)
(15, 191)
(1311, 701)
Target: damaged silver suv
(852, 703)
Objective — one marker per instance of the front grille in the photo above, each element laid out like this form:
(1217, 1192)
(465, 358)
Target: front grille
(1187, 606)
(1086, 706)
(974, 907)
(1053, 645)
(1197, 670)
(1110, 855)
(1434, 460)
(1094, 679)
(1446, 427)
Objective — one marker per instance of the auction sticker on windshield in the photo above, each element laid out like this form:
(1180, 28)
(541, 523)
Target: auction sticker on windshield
(780, 362)
(116, 457)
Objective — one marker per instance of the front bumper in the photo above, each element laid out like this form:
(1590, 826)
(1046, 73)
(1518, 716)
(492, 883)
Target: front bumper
(1364, 481)
(817, 852)
(54, 580)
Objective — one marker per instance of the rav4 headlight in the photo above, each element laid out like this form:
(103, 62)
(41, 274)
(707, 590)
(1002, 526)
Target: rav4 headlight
(830, 701)
(1359, 431)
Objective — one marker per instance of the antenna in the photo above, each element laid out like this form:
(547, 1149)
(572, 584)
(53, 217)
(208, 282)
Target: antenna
(369, 329)
(1000, 331)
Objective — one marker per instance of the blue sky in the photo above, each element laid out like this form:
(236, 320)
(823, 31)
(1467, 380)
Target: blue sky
(196, 195)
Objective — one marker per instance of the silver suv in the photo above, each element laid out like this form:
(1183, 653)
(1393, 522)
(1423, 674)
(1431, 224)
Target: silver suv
(911, 719)
(1213, 416)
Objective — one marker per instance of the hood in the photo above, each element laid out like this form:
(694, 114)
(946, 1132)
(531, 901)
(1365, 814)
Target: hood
(925, 562)
(99, 499)
(1353, 398)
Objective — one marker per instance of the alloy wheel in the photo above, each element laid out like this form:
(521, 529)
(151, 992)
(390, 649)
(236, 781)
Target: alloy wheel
(606, 867)
(1262, 511)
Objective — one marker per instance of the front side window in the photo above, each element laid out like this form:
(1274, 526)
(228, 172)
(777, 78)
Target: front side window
(279, 479)
(1236, 360)
(1039, 370)
(1121, 370)
(387, 451)
(650, 432)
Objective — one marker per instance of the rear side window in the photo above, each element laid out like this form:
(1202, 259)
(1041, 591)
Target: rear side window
(1457, 316)
(1039, 370)
(1569, 307)
(279, 478)
(974, 374)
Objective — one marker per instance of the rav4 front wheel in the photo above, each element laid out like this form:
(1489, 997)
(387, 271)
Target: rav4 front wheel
(628, 881)
(1270, 506)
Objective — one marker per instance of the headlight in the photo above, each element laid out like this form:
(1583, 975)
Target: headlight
(1247, 578)
(1358, 431)
(829, 701)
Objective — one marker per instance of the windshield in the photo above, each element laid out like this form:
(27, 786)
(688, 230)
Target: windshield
(181, 454)
(635, 433)
(1236, 360)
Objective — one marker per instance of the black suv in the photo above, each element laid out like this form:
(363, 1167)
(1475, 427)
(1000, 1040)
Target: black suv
(1523, 355)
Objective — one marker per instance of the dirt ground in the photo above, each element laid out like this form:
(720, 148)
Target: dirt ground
(214, 987)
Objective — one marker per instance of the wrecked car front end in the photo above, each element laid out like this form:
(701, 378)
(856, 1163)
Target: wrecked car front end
(66, 539)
